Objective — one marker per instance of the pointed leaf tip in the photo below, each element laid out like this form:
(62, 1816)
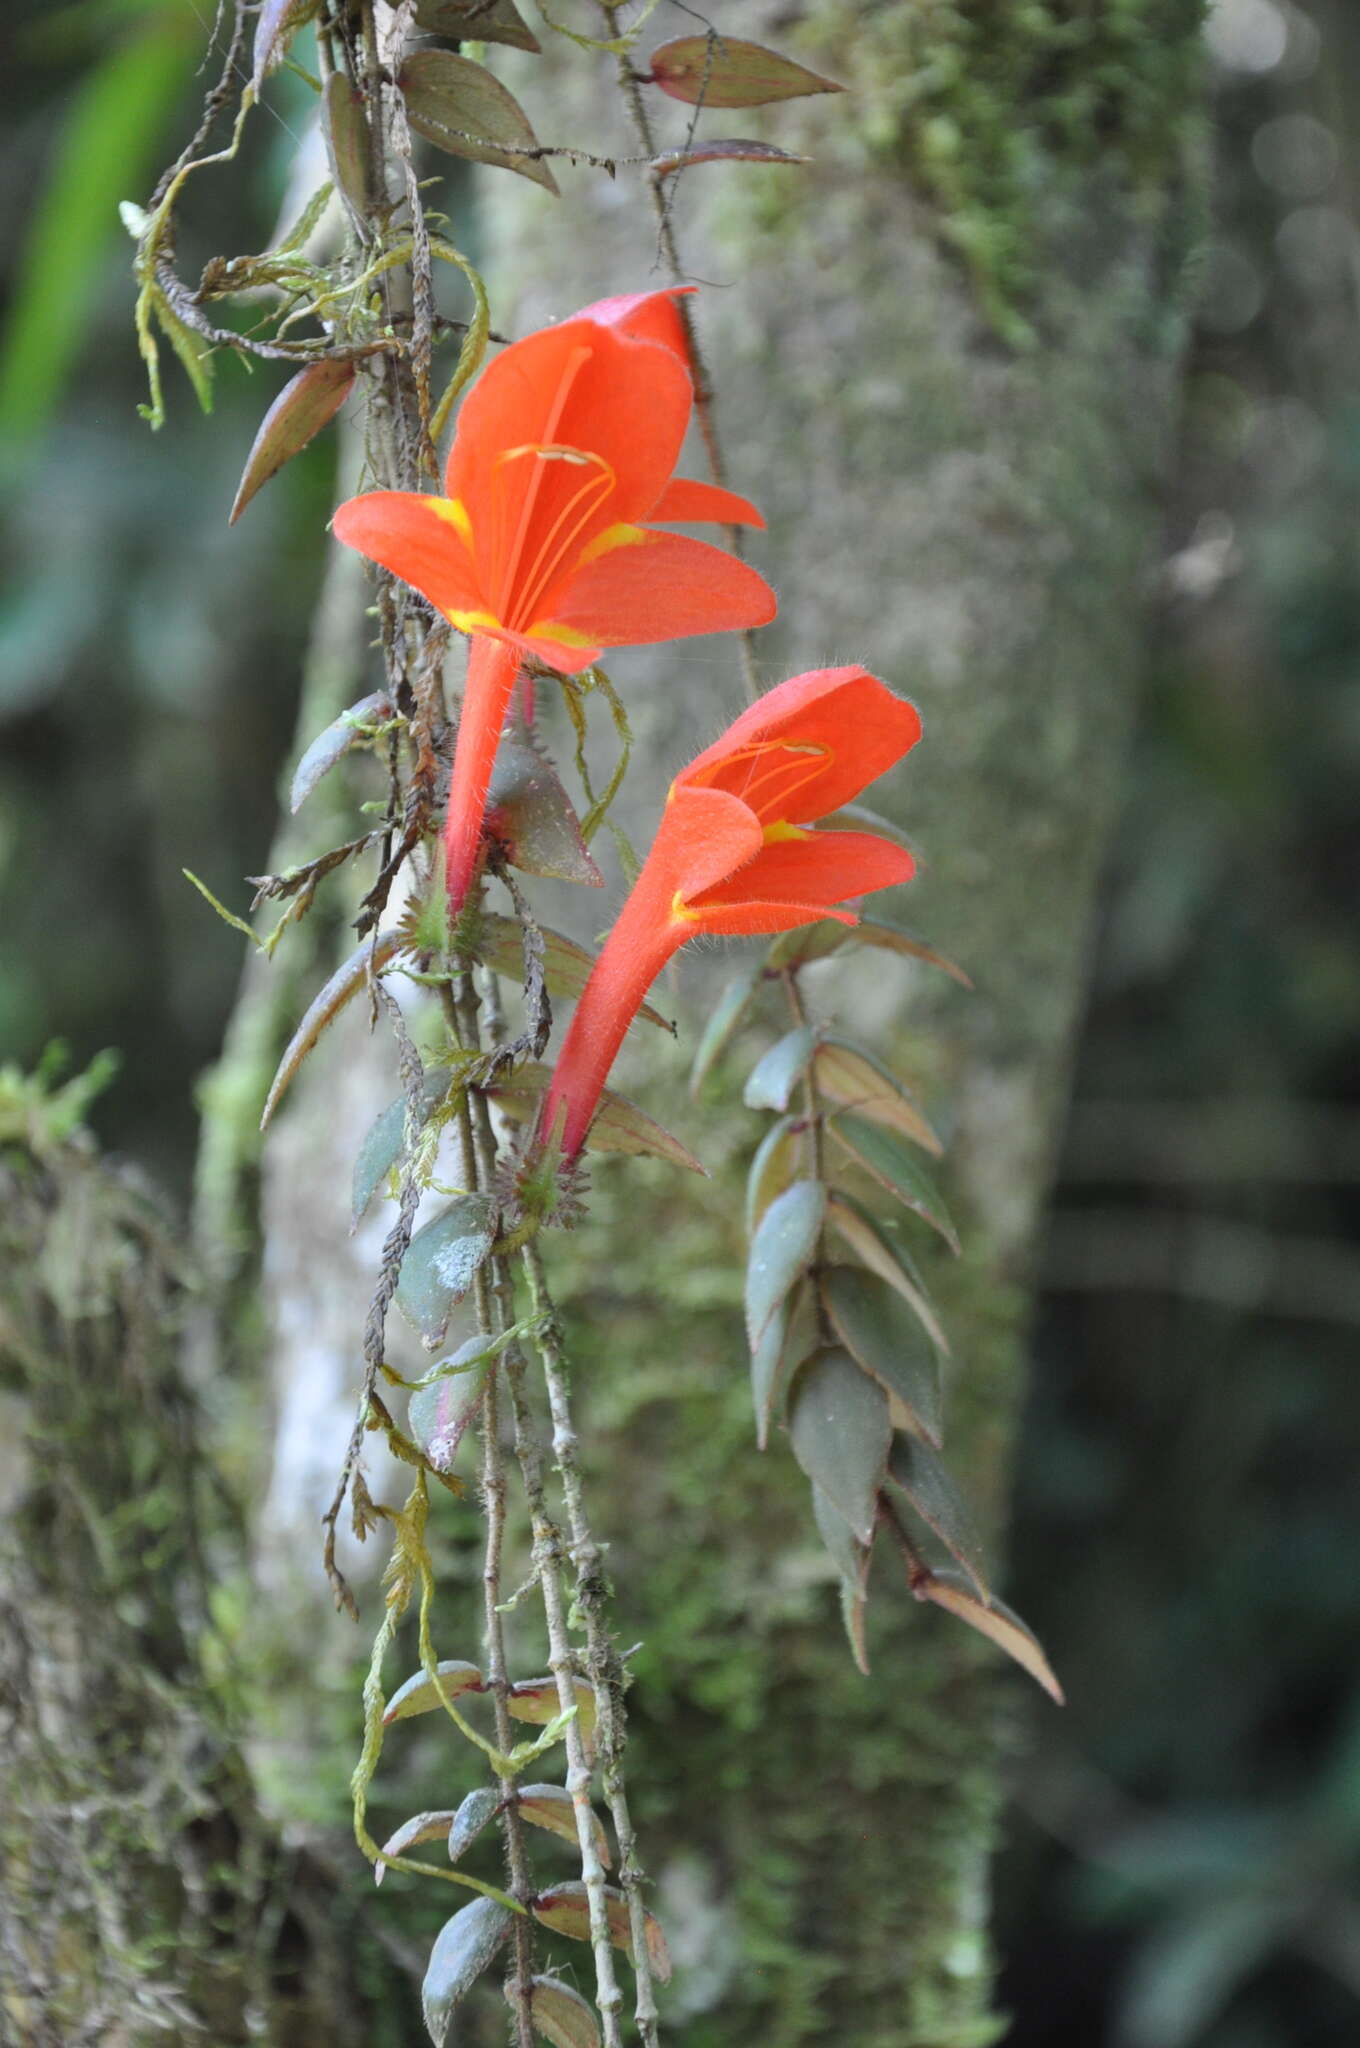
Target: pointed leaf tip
(723, 71)
(464, 1947)
(306, 404)
(840, 1432)
(993, 1619)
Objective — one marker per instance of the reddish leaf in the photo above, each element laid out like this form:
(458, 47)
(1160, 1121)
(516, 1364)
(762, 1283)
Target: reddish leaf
(673, 160)
(346, 981)
(848, 1075)
(536, 1700)
(531, 815)
(344, 124)
(306, 404)
(460, 107)
(721, 71)
(560, 2014)
(773, 1169)
(994, 1619)
(422, 1827)
(552, 1808)
(566, 1909)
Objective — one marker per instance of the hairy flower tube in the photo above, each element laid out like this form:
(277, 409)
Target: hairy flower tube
(564, 445)
(735, 852)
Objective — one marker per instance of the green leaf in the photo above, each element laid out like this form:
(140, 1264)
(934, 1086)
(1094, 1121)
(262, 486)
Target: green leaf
(307, 403)
(775, 1165)
(530, 814)
(560, 2014)
(370, 956)
(993, 1619)
(873, 1242)
(789, 1337)
(438, 1415)
(808, 942)
(419, 1694)
(473, 1815)
(893, 938)
(566, 966)
(535, 1700)
(784, 1246)
(840, 1431)
(618, 1126)
(441, 1262)
(422, 1827)
(333, 743)
(552, 1808)
(721, 71)
(777, 1074)
(883, 1155)
(917, 1470)
(381, 1145)
(477, 21)
(566, 1909)
(881, 1332)
(112, 135)
(1185, 1970)
(850, 1075)
(460, 107)
(724, 1020)
(463, 1948)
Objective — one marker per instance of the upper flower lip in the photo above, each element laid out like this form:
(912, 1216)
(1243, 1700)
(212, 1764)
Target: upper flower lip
(564, 446)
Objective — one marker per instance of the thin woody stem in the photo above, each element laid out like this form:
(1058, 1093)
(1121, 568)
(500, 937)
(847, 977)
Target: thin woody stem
(547, 1562)
(704, 407)
(606, 1671)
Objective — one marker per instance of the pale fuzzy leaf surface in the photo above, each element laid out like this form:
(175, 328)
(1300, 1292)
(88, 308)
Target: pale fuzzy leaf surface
(723, 1022)
(441, 1264)
(472, 1816)
(784, 1246)
(422, 1827)
(332, 744)
(381, 1145)
(419, 1696)
(776, 1075)
(773, 1168)
(463, 1948)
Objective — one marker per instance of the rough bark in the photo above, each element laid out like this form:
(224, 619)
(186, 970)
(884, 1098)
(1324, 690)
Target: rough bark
(946, 359)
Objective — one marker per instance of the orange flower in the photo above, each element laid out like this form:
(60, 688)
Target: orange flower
(564, 446)
(735, 853)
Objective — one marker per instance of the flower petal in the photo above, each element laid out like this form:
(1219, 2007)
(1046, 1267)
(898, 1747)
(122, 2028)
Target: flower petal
(416, 537)
(625, 401)
(859, 722)
(705, 836)
(825, 868)
(660, 586)
(646, 316)
(687, 499)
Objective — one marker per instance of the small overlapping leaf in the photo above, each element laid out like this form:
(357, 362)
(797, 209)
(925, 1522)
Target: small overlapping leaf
(344, 123)
(733, 151)
(892, 938)
(441, 1263)
(566, 966)
(480, 1807)
(333, 743)
(784, 1246)
(873, 1242)
(722, 71)
(276, 21)
(808, 942)
(476, 21)
(840, 1432)
(530, 814)
(422, 1827)
(552, 1808)
(917, 1470)
(773, 1169)
(790, 1336)
(381, 1145)
(852, 1560)
(775, 1076)
(560, 2014)
(438, 1415)
(566, 1909)
(882, 1153)
(368, 958)
(881, 1333)
(462, 1950)
(619, 1125)
(458, 106)
(992, 1618)
(846, 1074)
(307, 403)
(725, 1019)
(419, 1695)
(535, 1700)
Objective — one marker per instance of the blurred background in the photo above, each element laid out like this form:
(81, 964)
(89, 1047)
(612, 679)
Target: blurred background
(1182, 1861)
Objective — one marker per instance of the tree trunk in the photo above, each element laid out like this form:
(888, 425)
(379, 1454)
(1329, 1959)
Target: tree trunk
(946, 361)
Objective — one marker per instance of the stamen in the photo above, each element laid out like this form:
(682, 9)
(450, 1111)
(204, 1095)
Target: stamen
(571, 370)
(557, 544)
(764, 792)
